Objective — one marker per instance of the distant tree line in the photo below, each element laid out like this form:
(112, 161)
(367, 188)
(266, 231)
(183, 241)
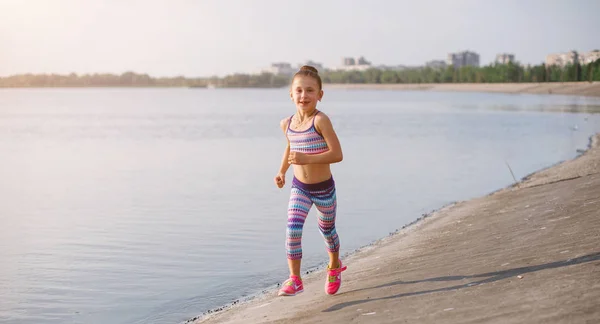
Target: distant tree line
(264, 80)
(493, 73)
(95, 80)
(131, 79)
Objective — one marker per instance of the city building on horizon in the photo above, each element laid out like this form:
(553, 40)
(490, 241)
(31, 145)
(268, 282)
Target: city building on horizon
(465, 58)
(457, 60)
(314, 64)
(348, 61)
(590, 57)
(562, 59)
(279, 68)
(572, 57)
(505, 58)
(286, 69)
(352, 64)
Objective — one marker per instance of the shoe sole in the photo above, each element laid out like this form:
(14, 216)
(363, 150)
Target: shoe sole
(286, 294)
(328, 293)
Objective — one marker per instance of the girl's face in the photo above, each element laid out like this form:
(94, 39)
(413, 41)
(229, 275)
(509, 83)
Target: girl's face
(305, 92)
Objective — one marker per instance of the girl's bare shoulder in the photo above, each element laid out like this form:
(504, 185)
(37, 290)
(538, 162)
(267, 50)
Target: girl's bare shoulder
(321, 118)
(284, 123)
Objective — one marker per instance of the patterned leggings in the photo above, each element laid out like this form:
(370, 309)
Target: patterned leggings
(302, 197)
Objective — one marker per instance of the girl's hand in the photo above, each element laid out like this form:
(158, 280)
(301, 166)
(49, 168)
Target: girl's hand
(298, 158)
(280, 180)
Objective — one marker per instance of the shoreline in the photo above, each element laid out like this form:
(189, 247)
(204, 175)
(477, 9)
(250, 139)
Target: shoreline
(581, 88)
(588, 89)
(558, 172)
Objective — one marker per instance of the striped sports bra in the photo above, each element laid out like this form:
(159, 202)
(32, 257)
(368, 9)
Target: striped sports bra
(308, 141)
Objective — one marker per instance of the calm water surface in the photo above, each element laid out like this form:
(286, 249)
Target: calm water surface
(154, 205)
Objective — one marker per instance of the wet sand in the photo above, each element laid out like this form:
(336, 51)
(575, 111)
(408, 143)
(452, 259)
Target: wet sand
(561, 88)
(529, 253)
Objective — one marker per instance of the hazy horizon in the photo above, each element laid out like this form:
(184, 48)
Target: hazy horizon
(206, 38)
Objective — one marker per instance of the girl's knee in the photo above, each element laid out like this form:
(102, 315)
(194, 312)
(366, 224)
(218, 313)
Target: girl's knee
(327, 229)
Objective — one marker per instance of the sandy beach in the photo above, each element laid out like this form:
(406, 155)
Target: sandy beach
(528, 253)
(566, 88)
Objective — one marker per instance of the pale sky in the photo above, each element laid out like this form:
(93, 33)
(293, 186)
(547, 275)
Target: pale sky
(198, 38)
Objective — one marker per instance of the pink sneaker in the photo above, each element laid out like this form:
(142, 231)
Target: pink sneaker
(334, 279)
(291, 287)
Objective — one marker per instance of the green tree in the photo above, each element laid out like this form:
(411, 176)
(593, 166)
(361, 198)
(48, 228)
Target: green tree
(373, 75)
(389, 77)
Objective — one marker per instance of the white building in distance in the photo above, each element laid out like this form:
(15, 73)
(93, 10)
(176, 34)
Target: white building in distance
(351, 64)
(589, 57)
(286, 69)
(562, 59)
(505, 58)
(314, 64)
(572, 57)
(280, 68)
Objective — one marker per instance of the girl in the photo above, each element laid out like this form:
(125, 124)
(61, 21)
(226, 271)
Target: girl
(312, 146)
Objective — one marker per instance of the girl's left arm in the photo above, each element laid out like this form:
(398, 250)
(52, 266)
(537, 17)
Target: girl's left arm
(334, 155)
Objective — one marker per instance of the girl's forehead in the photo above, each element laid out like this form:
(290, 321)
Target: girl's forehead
(305, 81)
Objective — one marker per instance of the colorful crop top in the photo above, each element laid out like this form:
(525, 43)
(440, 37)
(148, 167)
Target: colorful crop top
(308, 141)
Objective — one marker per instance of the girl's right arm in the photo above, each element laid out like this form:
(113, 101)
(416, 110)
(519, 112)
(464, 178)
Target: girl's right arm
(285, 165)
